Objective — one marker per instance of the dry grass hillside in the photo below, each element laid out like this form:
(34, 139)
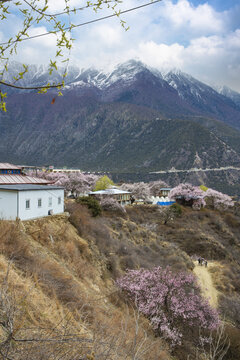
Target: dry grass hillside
(58, 299)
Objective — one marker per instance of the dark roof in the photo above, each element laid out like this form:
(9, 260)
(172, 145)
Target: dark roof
(25, 187)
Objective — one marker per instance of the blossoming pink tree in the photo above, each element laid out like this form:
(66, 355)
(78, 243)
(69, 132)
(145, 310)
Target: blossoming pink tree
(188, 194)
(171, 301)
(218, 200)
(155, 186)
(76, 183)
(139, 190)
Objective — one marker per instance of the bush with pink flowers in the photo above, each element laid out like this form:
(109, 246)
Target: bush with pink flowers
(171, 301)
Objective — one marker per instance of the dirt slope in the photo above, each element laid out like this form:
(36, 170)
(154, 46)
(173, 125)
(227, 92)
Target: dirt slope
(62, 290)
(206, 283)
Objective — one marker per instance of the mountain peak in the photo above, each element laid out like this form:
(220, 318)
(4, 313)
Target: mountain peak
(131, 64)
(129, 67)
(175, 71)
(228, 92)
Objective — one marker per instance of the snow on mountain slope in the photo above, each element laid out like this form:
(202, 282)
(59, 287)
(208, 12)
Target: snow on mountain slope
(231, 94)
(124, 73)
(187, 86)
(175, 93)
(189, 89)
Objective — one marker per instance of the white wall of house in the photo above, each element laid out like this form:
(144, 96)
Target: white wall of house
(8, 205)
(50, 200)
(30, 204)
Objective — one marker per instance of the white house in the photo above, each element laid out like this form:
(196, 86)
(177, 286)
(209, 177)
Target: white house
(28, 201)
(122, 197)
(165, 191)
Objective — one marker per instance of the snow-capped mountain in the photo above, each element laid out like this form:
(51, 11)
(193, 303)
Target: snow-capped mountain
(188, 87)
(174, 93)
(204, 98)
(123, 73)
(36, 75)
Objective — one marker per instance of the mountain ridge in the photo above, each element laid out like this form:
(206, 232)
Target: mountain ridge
(171, 92)
(100, 78)
(131, 120)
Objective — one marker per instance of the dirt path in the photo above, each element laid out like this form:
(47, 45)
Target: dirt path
(206, 283)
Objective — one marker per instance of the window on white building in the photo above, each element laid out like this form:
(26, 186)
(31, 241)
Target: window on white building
(49, 201)
(59, 200)
(27, 204)
(39, 203)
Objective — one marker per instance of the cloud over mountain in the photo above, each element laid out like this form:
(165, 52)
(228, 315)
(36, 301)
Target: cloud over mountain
(197, 37)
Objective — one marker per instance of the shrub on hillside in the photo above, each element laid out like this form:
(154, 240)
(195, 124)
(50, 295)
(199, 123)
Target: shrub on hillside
(230, 308)
(233, 336)
(233, 221)
(110, 204)
(80, 217)
(176, 209)
(92, 204)
(171, 301)
(170, 212)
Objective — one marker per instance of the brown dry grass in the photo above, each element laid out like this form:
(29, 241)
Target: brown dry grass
(59, 277)
(37, 308)
(111, 332)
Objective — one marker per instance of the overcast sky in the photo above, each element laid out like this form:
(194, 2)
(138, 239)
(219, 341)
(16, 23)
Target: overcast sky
(199, 37)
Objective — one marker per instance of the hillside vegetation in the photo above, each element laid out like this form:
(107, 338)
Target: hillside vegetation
(117, 137)
(58, 296)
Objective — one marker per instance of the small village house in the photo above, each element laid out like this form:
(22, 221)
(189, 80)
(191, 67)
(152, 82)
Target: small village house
(123, 197)
(27, 197)
(29, 201)
(164, 192)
